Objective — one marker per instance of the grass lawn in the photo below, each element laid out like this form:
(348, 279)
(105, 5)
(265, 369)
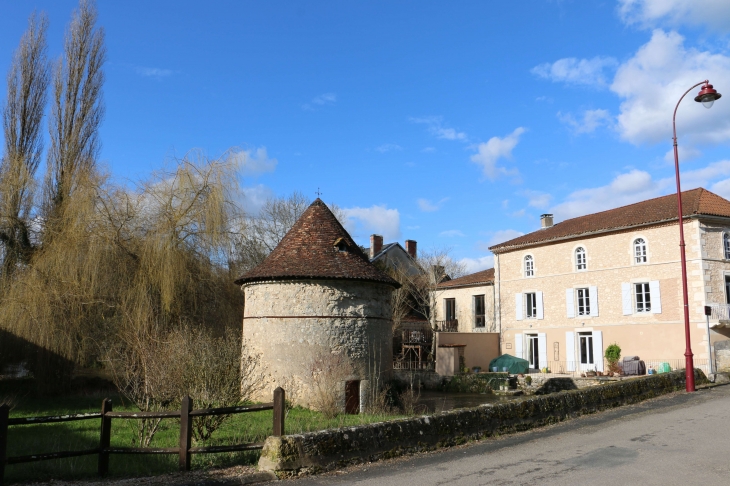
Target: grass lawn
(240, 428)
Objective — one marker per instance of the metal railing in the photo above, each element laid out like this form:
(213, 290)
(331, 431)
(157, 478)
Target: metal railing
(579, 370)
(451, 325)
(414, 365)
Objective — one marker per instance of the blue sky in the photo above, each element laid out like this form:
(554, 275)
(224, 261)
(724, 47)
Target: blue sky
(452, 123)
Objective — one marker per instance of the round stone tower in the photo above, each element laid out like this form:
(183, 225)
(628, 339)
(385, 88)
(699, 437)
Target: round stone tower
(319, 314)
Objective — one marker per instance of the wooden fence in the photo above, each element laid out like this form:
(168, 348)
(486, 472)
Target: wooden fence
(184, 450)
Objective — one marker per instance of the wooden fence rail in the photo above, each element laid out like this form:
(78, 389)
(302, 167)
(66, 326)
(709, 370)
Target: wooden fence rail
(184, 450)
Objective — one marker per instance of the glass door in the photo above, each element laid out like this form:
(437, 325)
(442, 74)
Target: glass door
(533, 353)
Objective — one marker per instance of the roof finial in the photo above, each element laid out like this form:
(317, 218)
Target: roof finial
(318, 192)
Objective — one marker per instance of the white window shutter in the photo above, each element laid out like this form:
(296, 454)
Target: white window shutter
(598, 350)
(542, 349)
(656, 297)
(570, 350)
(593, 296)
(518, 346)
(627, 299)
(538, 296)
(570, 302)
(518, 307)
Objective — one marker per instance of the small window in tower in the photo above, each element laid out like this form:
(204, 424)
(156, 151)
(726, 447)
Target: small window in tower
(341, 244)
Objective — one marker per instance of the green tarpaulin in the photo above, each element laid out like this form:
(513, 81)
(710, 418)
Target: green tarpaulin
(513, 364)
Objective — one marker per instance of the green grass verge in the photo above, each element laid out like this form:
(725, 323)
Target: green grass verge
(240, 428)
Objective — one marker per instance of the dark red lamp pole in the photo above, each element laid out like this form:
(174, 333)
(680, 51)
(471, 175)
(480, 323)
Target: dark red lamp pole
(707, 97)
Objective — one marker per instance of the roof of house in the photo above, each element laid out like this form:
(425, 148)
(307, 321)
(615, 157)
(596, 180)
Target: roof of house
(661, 209)
(309, 251)
(478, 278)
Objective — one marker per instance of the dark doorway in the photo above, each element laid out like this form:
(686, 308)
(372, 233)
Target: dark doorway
(352, 397)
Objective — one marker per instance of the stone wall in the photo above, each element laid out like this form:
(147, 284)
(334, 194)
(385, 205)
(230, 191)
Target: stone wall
(293, 323)
(722, 356)
(331, 449)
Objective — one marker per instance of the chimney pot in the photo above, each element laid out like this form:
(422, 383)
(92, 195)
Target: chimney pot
(546, 220)
(411, 248)
(376, 244)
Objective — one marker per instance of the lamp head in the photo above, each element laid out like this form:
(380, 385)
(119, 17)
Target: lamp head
(707, 95)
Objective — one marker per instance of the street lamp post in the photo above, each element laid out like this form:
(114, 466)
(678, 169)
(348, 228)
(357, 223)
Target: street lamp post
(707, 97)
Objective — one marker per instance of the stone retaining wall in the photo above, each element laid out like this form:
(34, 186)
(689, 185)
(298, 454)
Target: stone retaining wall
(722, 355)
(331, 449)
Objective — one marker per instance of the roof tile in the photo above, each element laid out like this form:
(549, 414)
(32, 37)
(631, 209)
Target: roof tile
(308, 251)
(483, 277)
(660, 209)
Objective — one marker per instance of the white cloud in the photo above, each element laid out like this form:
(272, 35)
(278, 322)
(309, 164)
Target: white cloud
(427, 206)
(254, 162)
(638, 185)
(627, 188)
(576, 71)
(153, 72)
(473, 265)
(321, 100)
(685, 153)
(495, 149)
(451, 234)
(651, 83)
(592, 119)
(648, 13)
(503, 235)
(536, 199)
(375, 219)
(254, 198)
(388, 147)
(436, 128)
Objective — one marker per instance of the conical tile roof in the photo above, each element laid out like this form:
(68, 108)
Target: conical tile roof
(317, 247)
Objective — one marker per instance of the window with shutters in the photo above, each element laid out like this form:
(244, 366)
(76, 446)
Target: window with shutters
(726, 245)
(584, 302)
(529, 266)
(531, 305)
(639, 250)
(580, 258)
(642, 295)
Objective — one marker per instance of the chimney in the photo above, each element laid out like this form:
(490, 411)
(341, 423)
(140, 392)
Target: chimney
(376, 244)
(546, 220)
(411, 248)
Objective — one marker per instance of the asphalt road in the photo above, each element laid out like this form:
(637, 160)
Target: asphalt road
(682, 439)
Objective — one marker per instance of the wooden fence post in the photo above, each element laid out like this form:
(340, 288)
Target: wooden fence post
(4, 414)
(279, 411)
(186, 432)
(105, 437)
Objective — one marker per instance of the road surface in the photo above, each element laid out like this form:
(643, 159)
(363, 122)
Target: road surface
(682, 439)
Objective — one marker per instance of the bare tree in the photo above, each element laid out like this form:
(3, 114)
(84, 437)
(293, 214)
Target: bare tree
(28, 80)
(77, 109)
(261, 232)
(435, 267)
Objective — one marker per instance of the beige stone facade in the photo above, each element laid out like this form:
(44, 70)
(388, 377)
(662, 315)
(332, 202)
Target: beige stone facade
(543, 312)
(464, 299)
(292, 323)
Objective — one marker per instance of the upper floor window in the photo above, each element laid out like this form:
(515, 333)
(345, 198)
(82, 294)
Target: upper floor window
(726, 245)
(639, 250)
(531, 305)
(580, 258)
(642, 293)
(479, 311)
(584, 302)
(529, 266)
(450, 309)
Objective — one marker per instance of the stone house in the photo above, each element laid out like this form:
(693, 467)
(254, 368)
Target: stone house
(568, 290)
(317, 299)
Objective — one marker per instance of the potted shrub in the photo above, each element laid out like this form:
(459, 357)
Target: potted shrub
(613, 355)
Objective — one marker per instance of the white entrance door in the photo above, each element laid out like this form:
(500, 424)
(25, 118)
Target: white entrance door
(585, 351)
